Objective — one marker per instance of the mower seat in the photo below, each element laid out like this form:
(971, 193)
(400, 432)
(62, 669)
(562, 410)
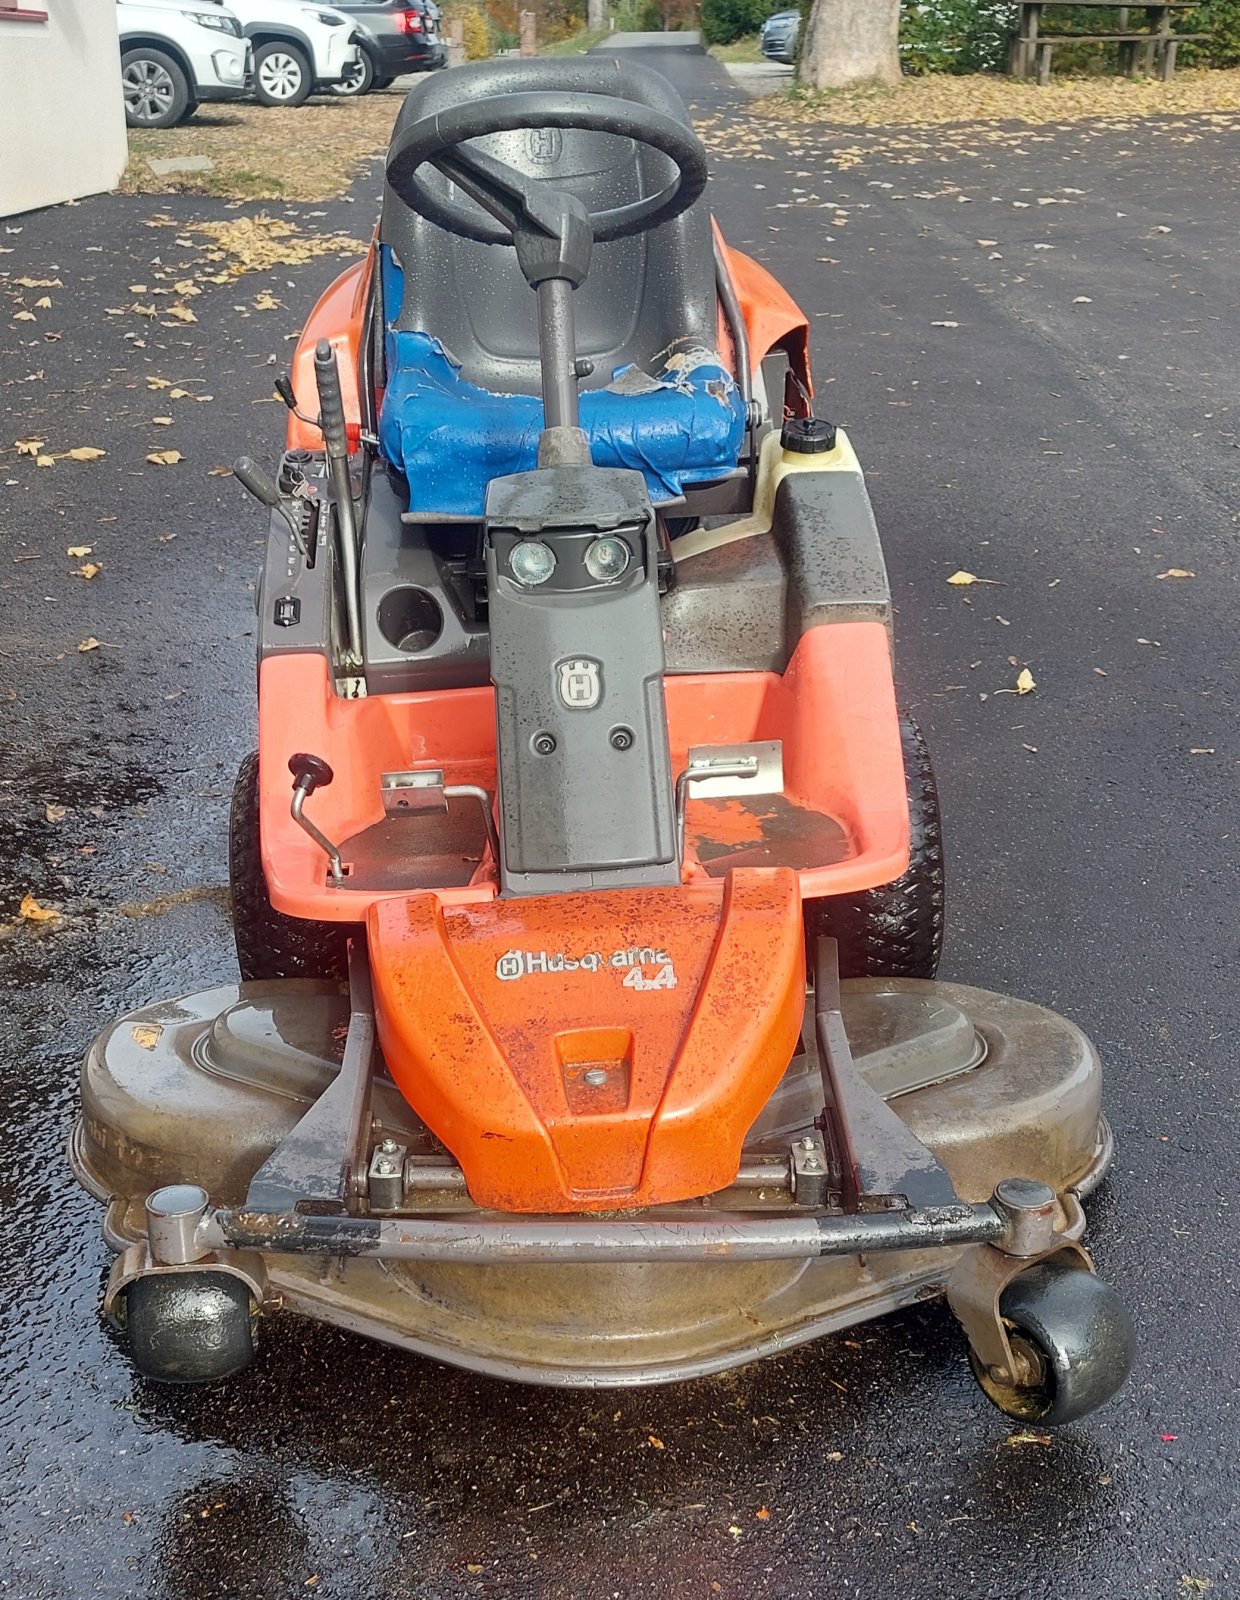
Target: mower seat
(461, 403)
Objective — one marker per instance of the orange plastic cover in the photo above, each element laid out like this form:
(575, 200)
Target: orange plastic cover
(581, 1052)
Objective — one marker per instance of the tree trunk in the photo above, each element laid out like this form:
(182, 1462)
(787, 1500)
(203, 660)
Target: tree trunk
(851, 41)
(596, 15)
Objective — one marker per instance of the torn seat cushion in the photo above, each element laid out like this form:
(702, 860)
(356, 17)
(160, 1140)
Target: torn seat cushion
(682, 425)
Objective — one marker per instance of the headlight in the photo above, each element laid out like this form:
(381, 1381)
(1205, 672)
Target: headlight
(607, 559)
(221, 24)
(329, 19)
(532, 562)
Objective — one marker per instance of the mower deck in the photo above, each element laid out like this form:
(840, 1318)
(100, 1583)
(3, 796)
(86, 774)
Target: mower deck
(204, 1089)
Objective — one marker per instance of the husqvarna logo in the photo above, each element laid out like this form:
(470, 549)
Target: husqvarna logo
(543, 145)
(580, 683)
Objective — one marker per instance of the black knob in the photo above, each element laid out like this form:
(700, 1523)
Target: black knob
(310, 772)
(808, 436)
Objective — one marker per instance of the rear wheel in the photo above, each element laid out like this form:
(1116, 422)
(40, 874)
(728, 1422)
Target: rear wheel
(896, 930)
(155, 88)
(383, 83)
(269, 944)
(281, 74)
(190, 1327)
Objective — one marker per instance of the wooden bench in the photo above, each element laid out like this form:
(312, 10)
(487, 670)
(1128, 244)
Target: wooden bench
(1155, 42)
(1128, 53)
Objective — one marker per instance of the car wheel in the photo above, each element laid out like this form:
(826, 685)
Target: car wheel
(281, 74)
(155, 88)
(359, 78)
(383, 83)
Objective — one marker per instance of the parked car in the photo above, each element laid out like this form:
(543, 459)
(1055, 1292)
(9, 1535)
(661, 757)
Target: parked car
(175, 53)
(297, 48)
(779, 36)
(395, 37)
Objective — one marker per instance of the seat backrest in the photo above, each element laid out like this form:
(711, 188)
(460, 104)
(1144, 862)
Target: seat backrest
(642, 295)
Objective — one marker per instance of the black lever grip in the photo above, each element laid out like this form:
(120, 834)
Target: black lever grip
(331, 401)
(310, 772)
(284, 388)
(252, 477)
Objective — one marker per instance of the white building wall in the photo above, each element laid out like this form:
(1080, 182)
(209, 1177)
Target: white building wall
(62, 118)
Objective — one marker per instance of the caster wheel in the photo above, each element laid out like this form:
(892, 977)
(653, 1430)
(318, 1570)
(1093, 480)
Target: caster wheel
(190, 1327)
(1074, 1339)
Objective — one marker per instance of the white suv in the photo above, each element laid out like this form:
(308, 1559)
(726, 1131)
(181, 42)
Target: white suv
(297, 47)
(175, 53)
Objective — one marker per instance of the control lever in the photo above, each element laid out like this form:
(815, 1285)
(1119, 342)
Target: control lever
(311, 773)
(264, 489)
(335, 438)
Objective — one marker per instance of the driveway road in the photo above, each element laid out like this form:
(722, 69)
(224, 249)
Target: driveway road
(1058, 420)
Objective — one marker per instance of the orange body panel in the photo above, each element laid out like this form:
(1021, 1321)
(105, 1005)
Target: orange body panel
(833, 708)
(587, 1051)
(339, 316)
(772, 317)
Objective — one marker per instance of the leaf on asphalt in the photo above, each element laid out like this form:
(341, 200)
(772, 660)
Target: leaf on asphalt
(88, 569)
(266, 302)
(162, 422)
(655, 1442)
(1177, 572)
(159, 383)
(944, 324)
(29, 447)
(43, 303)
(83, 452)
(77, 551)
(45, 461)
(164, 458)
(1027, 1436)
(88, 644)
(146, 1034)
(55, 813)
(39, 283)
(1191, 1584)
(962, 579)
(256, 244)
(31, 911)
(1082, 300)
(24, 316)
(182, 313)
(178, 394)
(987, 244)
(219, 472)
(1025, 682)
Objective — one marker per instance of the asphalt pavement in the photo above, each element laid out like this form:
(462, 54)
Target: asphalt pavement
(1032, 341)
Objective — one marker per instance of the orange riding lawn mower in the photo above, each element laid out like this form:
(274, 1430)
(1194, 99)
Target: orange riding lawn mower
(587, 880)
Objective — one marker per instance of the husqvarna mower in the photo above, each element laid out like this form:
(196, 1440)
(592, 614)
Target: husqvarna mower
(587, 879)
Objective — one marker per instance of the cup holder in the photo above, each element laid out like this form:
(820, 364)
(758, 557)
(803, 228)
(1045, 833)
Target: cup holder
(410, 619)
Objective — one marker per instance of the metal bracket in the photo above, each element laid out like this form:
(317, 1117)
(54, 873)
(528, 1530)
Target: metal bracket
(137, 1262)
(873, 1150)
(386, 1178)
(320, 1166)
(811, 1170)
(424, 790)
(717, 770)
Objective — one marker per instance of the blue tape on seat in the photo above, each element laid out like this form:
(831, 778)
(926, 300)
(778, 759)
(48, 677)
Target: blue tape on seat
(450, 437)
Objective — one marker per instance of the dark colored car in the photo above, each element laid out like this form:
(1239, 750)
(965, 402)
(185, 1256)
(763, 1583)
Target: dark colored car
(779, 36)
(395, 36)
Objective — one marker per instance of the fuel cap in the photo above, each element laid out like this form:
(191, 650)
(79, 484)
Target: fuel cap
(808, 436)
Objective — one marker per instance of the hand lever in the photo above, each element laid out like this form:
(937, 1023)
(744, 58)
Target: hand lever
(311, 773)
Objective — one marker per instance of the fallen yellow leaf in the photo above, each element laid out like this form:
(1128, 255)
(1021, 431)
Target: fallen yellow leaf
(219, 472)
(1177, 572)
(1025, 683)
(164, 458)
(89, 569)
(182, 313)
(961, 578)
(45, 461)
(657, 1443)
(29, 447)
(44, 302)
(266, 302)
(32, 911)
(24, 316)
(178, 394)
(88, 644)
(85, 452)
(79, 550)
(159, 383)
(55, 813)
(162, 422)
(146, 1034)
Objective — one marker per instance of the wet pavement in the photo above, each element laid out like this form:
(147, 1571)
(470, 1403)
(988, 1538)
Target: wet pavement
(1060, 421)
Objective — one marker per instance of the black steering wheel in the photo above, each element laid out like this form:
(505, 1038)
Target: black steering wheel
(518, 200)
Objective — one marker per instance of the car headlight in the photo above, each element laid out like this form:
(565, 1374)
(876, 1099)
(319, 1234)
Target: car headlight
(221, 24)
(329, 19)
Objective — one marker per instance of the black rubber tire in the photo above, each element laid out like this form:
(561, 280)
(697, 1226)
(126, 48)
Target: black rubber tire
(269, 944)
(383, 83)
(364, 82)
(190, 1327)
(279, 47)
(1082, 1335)
(169, 72)
(896, 930)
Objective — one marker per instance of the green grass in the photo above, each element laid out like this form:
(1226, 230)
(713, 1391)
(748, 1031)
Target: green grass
(577, 45)
(746, 49)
